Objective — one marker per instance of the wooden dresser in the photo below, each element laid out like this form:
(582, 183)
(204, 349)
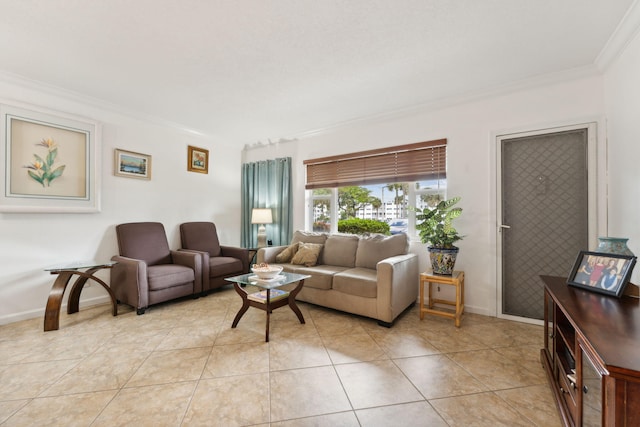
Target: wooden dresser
(592, 354)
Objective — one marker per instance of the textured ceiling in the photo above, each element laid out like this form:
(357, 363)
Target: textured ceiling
(250, 70)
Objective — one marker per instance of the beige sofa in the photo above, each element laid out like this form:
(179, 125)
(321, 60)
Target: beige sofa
(371, 276)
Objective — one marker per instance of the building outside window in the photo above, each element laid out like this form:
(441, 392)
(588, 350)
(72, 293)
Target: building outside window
(393, 203)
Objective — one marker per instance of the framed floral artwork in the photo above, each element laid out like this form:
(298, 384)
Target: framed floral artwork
(131, 165)
(50, 161)
(198, 160)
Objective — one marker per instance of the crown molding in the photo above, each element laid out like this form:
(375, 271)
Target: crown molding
(624, 33)
(475, 96)
(500, 90)
(30, 84)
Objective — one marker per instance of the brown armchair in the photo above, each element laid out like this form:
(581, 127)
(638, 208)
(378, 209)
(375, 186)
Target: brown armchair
(218, 261)
(147, 271)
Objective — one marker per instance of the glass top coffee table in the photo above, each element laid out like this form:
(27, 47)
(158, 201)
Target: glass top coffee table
(270, 297)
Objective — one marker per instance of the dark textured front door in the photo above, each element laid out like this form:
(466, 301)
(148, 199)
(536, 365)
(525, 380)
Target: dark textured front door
(544, 212)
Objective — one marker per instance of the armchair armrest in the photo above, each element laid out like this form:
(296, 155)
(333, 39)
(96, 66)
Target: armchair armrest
(398, 279)
(268, 254)
(205, 267)
(239, 253)
(129, 281)
(193, 260)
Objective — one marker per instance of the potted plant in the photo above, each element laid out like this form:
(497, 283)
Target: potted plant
(436, 228)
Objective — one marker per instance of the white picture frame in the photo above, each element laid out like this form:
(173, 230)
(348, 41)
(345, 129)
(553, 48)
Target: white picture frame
(130, 164)
(50, 161)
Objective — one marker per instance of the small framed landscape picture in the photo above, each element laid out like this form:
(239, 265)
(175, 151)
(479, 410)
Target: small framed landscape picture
(198, 160)
(132, 165)
(602, 272)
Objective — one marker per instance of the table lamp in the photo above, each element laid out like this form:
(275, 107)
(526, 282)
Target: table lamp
(262, 217)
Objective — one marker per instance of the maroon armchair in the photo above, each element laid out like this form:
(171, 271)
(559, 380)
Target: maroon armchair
(218, 261)
(147, 271)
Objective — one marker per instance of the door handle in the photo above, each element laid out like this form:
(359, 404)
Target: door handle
(504, 226)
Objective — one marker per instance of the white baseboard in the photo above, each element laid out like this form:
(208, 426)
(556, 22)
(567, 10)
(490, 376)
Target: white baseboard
(32, 314)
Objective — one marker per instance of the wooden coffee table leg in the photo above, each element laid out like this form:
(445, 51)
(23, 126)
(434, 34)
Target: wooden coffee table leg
(52, 312)
(268, 310)
(245, 304)
(292, 301)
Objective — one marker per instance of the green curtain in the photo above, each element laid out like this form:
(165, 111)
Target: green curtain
(267, 184)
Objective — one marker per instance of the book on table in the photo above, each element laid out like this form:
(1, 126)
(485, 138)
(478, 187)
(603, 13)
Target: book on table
(275, 295)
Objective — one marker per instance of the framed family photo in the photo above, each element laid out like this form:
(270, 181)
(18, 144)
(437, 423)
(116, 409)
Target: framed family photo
(49, 161)
(198, 160)
(131, 165)
(602, 272)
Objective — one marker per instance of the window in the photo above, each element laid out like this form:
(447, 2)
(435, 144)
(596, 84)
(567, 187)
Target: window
(321, 212)
(391, 203)
(384, 185)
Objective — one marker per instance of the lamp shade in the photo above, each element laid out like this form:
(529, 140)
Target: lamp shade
(261, 216)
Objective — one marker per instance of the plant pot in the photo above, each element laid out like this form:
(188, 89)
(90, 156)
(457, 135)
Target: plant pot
(443, 260)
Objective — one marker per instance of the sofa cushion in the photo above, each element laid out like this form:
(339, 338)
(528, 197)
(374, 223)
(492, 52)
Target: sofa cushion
(310, 237)
(307, 254)
(374, 249)
(321, 275)
(340, 250)
(361, 282)
(287, 254)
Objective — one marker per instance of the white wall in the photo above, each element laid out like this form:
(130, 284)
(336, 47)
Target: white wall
(470, 129)
(30, 242)
(622, 103)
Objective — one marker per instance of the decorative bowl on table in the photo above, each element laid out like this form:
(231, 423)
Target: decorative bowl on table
(266, 272)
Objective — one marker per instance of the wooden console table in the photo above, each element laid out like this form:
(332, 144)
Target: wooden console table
(590, 354)
(65, 272)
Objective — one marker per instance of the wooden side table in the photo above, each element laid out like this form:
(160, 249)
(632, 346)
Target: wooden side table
(457, 280)
(65, 272)
(252, 255)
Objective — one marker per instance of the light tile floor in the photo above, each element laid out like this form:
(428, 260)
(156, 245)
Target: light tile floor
(181, 364)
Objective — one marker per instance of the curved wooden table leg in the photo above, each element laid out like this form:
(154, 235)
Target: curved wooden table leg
(54, 302)
(245, 304)
(292, 301)
(52, 312)
(73, 305)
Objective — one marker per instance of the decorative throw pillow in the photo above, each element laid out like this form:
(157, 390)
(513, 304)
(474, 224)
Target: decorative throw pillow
(287, 254)
(340, 250)
(307, 254)
(310, 237)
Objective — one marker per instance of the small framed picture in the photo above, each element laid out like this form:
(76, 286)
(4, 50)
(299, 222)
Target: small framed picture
(132, 165)
(198, 160)
(602, 272)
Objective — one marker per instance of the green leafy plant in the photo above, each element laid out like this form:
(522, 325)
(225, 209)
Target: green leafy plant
(435, 224)
(362, 226)
(42, 170)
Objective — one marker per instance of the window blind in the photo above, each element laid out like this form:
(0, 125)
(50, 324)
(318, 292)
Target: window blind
(411, 162)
